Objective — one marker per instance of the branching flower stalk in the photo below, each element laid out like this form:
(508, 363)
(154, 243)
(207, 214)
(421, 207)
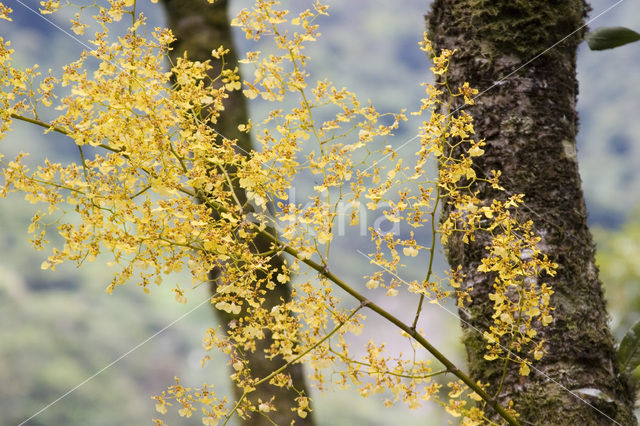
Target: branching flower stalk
(132, 195)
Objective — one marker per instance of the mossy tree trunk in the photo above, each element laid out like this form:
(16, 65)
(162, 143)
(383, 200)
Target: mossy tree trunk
(529, 120)
(200, 28)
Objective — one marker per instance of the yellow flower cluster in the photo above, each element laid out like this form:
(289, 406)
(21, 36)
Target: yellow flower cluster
(153, 187)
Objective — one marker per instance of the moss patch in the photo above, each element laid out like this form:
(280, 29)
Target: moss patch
(521, 27)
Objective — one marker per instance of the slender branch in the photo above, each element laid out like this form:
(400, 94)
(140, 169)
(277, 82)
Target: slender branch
(391, 373)
(179, 158)
(84, 164)
(431, 255)
(231, 187)
(56, 129)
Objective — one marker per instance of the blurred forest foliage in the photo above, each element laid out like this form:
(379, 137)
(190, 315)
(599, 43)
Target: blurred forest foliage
(60, 328)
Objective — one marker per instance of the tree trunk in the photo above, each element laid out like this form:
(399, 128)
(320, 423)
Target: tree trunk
(200, 28)
(529, 120)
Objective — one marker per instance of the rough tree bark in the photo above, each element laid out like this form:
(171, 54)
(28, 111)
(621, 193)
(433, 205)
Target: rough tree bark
(529, 121)
(200, 28)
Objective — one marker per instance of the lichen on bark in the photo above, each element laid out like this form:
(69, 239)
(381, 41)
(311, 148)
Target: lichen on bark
(520, 27)
(529, 120)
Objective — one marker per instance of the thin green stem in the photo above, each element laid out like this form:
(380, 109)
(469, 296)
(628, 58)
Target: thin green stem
(431, 255)
(84, 164)
(231, 188)
(391, 373)
(56, 129)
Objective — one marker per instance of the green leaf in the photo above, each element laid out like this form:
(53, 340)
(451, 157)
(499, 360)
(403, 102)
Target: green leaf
(629, 351)
(609, 37)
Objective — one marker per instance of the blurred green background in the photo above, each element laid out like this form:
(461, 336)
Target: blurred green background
(60, 328)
